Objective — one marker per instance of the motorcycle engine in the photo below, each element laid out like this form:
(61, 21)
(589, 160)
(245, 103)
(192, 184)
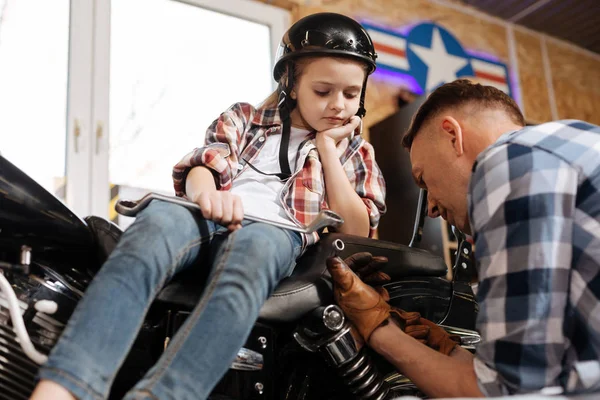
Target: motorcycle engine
(17, 369)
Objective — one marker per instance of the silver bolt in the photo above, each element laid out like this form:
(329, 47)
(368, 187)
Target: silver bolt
(259, 387)
(333, 318)
(25, 255)
(338, 245)
(263, 341)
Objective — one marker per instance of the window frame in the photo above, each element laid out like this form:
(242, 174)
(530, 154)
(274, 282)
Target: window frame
(97, 198)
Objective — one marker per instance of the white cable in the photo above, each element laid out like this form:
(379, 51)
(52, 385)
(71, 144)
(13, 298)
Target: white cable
(46, 306)
(18, 324)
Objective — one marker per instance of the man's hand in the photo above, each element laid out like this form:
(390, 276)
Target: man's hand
(437, 338)
(368, 268)
(221, 207)
(362, 304)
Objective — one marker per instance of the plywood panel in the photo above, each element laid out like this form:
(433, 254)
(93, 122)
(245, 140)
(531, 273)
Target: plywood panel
(576, 81)
(532, 81)
(575, 76)
(473, 33)
(381, 102)
(382, 97)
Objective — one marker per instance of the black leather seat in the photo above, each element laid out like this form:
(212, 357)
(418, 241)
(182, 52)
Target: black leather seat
(106, 235)
(310, 286)
(307, 288)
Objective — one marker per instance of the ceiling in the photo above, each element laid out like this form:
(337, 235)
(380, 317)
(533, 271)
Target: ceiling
(576, 21)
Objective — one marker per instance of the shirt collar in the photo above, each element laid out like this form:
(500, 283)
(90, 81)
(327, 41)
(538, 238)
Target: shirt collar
(267, 116)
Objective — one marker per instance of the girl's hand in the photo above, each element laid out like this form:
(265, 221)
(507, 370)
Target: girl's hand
(337, 134)
(221, 207)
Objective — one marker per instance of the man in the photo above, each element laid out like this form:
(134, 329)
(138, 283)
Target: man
(530, 196)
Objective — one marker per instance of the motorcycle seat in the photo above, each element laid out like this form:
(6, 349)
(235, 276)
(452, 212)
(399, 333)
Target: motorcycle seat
(308, 287)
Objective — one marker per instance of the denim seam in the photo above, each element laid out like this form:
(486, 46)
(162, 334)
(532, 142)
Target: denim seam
(307, 287)
(74, 380)
(294, 248)
(174, 347)
(145, 393)
(190, 245)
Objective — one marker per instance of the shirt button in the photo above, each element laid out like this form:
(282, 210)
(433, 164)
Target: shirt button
(261, 139)
(240, 167)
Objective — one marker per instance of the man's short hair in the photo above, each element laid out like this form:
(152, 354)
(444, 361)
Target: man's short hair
(458, 93)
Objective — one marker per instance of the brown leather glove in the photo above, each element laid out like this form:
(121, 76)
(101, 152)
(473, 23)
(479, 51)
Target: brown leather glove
(368, 267)
(362, 304)
(367, 307)
(435, 336)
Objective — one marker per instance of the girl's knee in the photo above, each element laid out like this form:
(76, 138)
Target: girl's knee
(262, 252)
(265, 238)
(166, 217)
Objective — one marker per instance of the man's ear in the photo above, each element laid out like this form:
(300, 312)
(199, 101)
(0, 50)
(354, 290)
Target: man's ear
(454, 132)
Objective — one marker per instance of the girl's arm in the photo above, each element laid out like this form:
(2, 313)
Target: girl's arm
(220, 152)
(341, 195)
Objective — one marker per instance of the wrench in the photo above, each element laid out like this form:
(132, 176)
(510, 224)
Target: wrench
(325, 218)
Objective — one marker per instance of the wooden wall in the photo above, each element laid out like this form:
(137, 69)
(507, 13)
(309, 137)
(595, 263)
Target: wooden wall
(564, 85)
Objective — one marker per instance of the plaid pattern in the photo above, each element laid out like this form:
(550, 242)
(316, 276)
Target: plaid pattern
(237, 137)
(535, 207)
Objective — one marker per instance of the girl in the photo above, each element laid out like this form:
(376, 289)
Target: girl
(286, 160)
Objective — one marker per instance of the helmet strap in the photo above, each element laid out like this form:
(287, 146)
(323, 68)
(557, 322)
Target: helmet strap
(286, 105)
(361, 109)
(284, 113)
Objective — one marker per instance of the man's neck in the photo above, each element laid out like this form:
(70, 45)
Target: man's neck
(492, 134)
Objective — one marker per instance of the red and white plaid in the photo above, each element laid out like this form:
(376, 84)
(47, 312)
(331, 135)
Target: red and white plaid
(233, 139)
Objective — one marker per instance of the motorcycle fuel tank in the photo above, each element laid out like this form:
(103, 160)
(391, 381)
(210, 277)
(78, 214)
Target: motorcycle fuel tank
(30, 215)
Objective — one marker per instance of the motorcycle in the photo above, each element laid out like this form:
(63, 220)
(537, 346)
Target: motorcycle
(301, 346)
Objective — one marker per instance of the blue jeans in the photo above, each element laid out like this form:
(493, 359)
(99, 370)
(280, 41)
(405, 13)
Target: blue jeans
(166, 239)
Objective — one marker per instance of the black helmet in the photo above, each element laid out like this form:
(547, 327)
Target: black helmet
(317, 35)
(325, 34)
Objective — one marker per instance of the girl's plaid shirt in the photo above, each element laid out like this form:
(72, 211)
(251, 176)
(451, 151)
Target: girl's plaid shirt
(239, 134)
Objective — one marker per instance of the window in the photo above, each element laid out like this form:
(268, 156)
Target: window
(171, 77)
(34, 49)
(173, 69)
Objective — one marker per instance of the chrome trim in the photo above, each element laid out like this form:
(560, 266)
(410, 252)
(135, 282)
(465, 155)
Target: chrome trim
(313, 345)
(61, 280)
(333, 318)
(468, 339)
(247, 360)
(338, 245)
(341, 350)
(59, 287)
(397, 381)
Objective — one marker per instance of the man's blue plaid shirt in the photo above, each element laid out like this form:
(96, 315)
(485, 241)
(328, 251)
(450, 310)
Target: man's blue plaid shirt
(534, 206)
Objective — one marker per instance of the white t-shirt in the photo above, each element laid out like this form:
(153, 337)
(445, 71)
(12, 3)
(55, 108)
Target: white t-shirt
(260, 193)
